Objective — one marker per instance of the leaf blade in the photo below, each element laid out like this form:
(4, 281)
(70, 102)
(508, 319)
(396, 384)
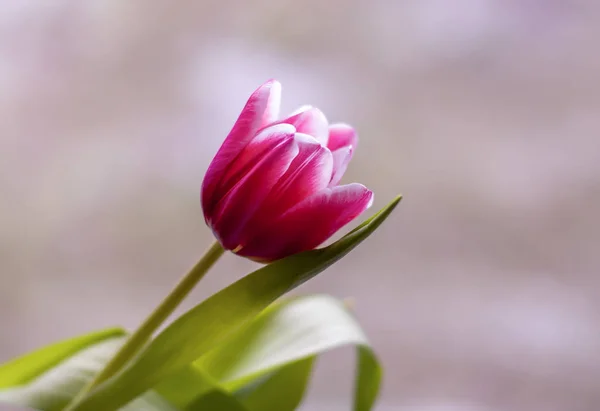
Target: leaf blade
(282, 391)
(287, 332)
(55, 388)
(23, 369)
(367, 379)
(216, 400)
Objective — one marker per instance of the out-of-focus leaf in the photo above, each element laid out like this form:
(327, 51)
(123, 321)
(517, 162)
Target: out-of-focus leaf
(55, 388)
(284, 333)
(211, 322)
(283, 390)
(216, 400)
(368, 379)
(186, 386)
(23, 369)
(269, 361)
(290, 331)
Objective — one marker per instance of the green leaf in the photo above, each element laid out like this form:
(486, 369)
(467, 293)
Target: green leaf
(193, 382)
(284, 333)
(267, 362)
(23, 369)
(368, 380)
(216, 400)
(55, 388)
(212, 321)
(186, 386)
(290, 331)
(283, 390)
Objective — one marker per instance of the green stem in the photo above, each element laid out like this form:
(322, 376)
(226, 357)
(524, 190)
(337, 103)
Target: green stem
(145, 331)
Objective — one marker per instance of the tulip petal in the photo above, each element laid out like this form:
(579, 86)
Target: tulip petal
(342, 143)
(309, 172)
(266, 139)
(261, 108)
(238, 205)
(341, 135)
(341, 159)
(311, 121)
(310, 222)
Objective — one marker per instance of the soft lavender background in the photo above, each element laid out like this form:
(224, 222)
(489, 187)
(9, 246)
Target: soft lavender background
(480, 293)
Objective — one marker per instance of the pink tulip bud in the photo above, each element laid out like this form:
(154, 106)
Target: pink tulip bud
(271, 190)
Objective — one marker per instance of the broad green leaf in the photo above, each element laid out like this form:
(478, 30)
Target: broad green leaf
(55, 388)
(285, 332)
(253, 362)
(368, 380)
(283, 390)
(290, 331)
(23, 369)
(193, 382)
(186, 386)
(212, 321)
(216, 400)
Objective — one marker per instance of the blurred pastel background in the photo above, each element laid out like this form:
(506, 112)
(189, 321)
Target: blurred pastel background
(482, 293)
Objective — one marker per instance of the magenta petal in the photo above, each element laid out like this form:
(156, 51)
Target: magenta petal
(341, 135)
(309, 173)
(262, 108)
(341, 159)
(342, 143)
(310, 222)
(241, 202)
(259, 146)
(311, 121)
(273, 104)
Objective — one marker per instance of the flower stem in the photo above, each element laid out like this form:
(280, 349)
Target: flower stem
(140, 337)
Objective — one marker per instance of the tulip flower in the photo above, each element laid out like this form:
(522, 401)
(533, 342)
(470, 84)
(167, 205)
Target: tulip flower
(272, 189)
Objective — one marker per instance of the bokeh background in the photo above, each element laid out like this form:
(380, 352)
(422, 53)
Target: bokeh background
(482, 290)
